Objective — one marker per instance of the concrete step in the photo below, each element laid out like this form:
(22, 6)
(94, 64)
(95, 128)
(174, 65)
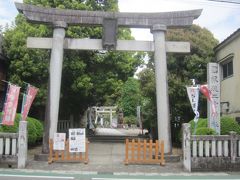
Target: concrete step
(112, 139)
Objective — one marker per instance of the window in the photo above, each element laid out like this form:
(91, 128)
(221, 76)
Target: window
(227, 67)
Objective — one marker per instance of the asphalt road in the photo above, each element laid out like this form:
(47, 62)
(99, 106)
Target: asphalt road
(32, 177)
(52, 176)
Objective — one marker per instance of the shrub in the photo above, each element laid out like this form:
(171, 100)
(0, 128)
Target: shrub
(229, 124)
(205, 131)
(14, 128)
(35, 128)
(39, 128)
(202, 122)
(32, 131)
(130, 120)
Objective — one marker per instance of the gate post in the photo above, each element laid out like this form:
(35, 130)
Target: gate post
(233, 149)
(186, 146)
(22, 144)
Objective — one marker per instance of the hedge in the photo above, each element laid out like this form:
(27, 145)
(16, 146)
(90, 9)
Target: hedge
(10, 129)
(202, 122)
(35, 129)
(227, 124)
(205, 131)
(130, 120)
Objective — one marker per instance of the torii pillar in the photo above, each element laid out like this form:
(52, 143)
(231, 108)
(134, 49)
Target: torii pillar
(160, 60)
(56, 63)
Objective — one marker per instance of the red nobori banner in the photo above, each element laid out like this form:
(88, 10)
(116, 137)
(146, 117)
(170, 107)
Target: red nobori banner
(27, 101)
(10, 105)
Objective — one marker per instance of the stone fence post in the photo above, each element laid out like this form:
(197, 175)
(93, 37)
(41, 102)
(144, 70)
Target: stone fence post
(22, 144)
(186, 146)
(233, 142)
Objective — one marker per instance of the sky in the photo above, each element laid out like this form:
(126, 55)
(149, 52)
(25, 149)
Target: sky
(221, 19)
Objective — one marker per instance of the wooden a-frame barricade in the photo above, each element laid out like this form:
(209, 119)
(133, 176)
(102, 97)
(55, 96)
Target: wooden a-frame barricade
(66, 156)
(144, 152)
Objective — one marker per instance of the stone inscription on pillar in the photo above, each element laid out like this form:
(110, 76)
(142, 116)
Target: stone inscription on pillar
(213, 71)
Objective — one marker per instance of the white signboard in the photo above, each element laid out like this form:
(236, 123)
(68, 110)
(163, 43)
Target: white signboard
(59, 141)
(214, 104)
(77, 140)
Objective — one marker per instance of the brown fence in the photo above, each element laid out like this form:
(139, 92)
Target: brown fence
(65, 155)
(143, 152)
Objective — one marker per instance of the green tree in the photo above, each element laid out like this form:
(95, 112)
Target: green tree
(89, 77)
(130, 97)
(181, 68)
(149, 107)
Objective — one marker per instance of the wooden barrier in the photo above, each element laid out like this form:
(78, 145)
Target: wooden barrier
(143, 152)
(65, 155)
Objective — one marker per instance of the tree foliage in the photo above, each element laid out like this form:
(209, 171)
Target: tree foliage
(130, 97)
(88, 78)
(181, 68)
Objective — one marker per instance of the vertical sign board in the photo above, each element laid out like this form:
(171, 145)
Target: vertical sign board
(77, 140)
(213, 72)
(139, 116)
(59, 141)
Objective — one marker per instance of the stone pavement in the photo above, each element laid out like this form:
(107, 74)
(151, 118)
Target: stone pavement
(106, 158)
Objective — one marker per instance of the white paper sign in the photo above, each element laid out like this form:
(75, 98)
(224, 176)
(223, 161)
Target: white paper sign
(77, 140)
(59, 141)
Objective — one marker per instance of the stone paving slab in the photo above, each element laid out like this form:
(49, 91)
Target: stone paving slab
(105, 168)
(103, 158)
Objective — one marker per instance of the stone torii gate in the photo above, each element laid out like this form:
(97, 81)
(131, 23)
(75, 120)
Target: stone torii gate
(157, 22)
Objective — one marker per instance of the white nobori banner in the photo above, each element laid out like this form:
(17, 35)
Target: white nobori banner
(193, 95)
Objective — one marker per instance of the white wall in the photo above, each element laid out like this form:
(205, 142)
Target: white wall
(230, 87)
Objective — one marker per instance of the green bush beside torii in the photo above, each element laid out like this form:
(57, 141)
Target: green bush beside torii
(35, 129)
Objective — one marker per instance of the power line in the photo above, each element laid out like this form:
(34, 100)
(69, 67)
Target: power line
(216, 3)
(224, 1)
